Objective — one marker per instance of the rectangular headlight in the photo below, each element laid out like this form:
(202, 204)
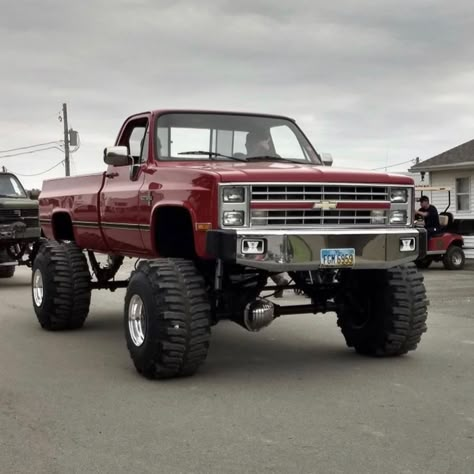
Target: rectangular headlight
(398, 195)
(398, 217)
(233, 218)
(236, 194)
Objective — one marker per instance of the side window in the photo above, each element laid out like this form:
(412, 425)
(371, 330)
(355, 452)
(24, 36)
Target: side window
(136, 142)
(463, 194)
(286, 144)
(144, 153)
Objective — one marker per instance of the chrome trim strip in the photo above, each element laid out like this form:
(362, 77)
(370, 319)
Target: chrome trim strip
(300, 201)
(312, 183)
(119, 225)
(328, 231)
(322, 218)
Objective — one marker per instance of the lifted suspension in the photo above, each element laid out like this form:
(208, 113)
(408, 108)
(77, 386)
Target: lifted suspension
(326, 307)
(108, 285)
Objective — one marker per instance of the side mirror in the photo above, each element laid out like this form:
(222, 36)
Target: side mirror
(327, 159)
(117, 156)
(34, 194)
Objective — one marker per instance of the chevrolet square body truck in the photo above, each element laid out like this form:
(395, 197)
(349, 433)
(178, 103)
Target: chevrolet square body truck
(212, 205)
(19, 225)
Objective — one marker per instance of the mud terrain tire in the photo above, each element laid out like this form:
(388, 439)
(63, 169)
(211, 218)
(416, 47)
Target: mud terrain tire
(384, 311)
(61, 288)
(167, 318)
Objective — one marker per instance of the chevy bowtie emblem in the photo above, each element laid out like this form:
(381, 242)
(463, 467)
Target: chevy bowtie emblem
(325, 205)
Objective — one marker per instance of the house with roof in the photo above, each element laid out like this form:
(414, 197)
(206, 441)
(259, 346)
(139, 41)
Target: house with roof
(453, 169)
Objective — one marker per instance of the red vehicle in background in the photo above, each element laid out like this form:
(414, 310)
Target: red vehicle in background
(447, 245)
(213, 204)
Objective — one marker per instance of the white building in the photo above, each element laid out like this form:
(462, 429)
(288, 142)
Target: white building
(454, 169)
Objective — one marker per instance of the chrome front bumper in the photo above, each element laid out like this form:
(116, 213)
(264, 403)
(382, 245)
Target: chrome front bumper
(300, 249)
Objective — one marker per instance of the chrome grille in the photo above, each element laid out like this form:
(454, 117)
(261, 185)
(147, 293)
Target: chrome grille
(29, 216)
(310, 192)
(312, 217)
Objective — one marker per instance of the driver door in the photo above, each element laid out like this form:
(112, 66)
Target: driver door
(119, 200)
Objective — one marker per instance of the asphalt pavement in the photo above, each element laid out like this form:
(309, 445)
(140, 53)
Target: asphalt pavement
(290, 399)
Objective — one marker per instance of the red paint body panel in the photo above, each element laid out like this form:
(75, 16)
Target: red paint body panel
(292, 173)
(111, 213)
(78, 197)
(443, 241)
(187, 187)
(363, 205)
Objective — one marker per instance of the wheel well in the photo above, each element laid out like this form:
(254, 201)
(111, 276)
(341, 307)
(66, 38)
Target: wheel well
(62, 226)
(457, 243)
(174, 235)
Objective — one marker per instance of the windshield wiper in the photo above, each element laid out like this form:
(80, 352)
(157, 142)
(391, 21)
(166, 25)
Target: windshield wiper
(211, 154)
(277, 158)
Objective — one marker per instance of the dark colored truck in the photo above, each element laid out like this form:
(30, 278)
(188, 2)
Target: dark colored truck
(19, 224)
(213, 204)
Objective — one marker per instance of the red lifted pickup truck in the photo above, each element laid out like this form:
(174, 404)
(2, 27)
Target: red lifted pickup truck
(213, 204)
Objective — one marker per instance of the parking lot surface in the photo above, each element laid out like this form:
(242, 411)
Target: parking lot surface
(291, 399)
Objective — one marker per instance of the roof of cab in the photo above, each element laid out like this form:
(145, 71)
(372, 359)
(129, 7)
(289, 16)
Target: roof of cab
(215, 112)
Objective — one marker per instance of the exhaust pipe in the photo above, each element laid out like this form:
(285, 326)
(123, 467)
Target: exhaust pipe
(258, 314)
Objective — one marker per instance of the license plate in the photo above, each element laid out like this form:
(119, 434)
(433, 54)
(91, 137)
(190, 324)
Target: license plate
(337, 258)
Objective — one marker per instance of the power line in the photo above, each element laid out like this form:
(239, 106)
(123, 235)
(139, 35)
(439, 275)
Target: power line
(42, 172)
(66, 142)
(30, 146)
(32, 151)
(391, 166)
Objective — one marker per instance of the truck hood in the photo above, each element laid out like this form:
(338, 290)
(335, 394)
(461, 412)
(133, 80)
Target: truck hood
(18, 203)
(289, 172)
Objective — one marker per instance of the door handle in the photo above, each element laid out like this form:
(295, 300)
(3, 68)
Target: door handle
(111, 175)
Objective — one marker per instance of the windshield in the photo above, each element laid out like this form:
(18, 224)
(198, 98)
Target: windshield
(11, 187)
(209, 136)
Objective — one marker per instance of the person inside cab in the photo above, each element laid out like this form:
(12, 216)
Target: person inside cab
(258, 143)
(430, 216)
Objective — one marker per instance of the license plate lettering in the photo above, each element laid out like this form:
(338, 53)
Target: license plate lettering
(337, 258)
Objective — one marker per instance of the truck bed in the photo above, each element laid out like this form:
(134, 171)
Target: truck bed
(75, 198)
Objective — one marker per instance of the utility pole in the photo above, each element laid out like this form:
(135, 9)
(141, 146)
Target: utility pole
(66, 142)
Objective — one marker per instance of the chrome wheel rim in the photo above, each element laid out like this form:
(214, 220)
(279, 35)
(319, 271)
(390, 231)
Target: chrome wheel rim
(457, 260)
(38, 292)
(136, 320)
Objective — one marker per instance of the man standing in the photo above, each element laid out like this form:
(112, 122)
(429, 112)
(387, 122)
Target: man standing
(430, 216)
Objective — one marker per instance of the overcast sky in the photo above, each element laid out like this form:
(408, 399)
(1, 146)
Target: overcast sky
(370, 81)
